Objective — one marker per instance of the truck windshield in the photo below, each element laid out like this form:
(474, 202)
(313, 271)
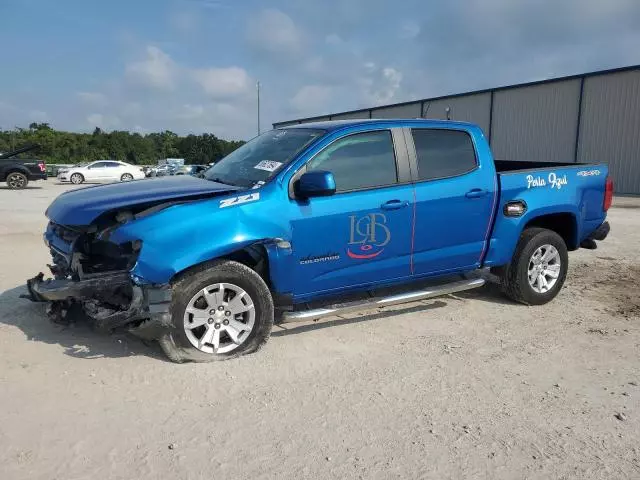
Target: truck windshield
(260, 159)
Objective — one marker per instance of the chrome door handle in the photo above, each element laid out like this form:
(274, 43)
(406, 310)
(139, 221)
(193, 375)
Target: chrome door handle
(394, 205)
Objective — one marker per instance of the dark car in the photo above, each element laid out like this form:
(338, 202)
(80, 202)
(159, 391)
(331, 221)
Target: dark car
(18, 172)
(190, 170)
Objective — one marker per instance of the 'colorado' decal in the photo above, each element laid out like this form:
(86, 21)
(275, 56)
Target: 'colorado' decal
(228, 202)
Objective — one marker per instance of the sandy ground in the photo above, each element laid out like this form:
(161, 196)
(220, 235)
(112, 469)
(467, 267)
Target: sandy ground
(467, 386)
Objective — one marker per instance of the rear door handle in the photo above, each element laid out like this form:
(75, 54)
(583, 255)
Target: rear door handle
(476, 193)
(394, 205)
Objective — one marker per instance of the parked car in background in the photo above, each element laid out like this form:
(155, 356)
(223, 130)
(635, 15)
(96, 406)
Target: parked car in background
(18, 172)
(101, 171)
(191, 170)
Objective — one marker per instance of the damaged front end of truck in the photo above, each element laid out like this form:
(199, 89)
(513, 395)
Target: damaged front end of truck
(93, 271)
(92, 275)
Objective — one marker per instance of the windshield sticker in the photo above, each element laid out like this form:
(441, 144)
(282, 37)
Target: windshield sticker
(368, 237)
(257, 185)
(268, 165)
(228, 202)
(553, 180)
(589, 173)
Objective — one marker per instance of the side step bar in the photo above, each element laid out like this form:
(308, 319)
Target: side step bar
(414, 296)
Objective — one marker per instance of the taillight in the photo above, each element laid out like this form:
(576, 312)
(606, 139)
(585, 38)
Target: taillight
(42, 166)
(608, 194)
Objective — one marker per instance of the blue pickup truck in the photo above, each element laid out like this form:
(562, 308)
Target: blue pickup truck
(311, 221)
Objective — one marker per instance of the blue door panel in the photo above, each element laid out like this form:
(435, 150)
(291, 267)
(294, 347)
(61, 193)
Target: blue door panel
(451, 228)
(349, 239)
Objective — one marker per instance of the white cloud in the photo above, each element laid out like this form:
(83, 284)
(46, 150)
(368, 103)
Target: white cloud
(311, 98)
(158, 70)
(223, 82)
(383, 87)
(273, 31)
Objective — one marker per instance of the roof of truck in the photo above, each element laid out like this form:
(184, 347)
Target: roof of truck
(331, 125)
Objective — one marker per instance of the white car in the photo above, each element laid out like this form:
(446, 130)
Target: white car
(101, 171)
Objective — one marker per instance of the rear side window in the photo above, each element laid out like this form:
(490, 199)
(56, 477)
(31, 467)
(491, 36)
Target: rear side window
(443, 153)
(363, 160)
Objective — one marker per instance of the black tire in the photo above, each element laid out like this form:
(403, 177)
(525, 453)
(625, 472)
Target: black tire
(514, 276)
(126, 177)
(17, 180)
(79, 178)
(175, 343)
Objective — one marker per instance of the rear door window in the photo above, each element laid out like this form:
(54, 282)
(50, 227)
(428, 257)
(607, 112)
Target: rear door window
(443, 153)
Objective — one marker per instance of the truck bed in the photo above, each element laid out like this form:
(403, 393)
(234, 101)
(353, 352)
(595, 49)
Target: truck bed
(503, 166)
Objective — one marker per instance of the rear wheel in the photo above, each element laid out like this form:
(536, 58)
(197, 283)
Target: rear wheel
(218, 313)
(17, 180)
(76, 178)
(126, 177)
(538, 268)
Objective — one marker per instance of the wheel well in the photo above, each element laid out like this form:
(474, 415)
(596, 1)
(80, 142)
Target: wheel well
(254, 256)
(564, 224)
(16, 170)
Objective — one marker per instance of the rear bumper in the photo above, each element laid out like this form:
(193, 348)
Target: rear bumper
(38, 176)
(147, 313)
(601, 232)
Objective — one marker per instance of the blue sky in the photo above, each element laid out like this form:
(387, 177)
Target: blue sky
(191, 65)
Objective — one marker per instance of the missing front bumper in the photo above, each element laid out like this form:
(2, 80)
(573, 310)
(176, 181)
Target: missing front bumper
(146, 313)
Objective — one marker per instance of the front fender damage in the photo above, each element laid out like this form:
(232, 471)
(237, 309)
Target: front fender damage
(110, 300)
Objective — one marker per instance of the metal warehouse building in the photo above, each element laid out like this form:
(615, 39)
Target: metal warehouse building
(594, 117)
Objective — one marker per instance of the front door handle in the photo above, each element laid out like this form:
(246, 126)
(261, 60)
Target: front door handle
(394, 205)
(476, 193)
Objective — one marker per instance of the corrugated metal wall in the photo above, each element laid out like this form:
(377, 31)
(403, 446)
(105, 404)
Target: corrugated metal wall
(351, 115)
(536, 123)
(468, 108)
(412, 110)
(610, 127)
(593, 117)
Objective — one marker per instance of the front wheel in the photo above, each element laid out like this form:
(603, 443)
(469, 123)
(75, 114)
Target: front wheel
(218, 313)
(126, 177)
(76, 178)
(538, 268)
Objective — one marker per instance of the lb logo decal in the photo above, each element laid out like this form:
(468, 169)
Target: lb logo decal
(368, 237)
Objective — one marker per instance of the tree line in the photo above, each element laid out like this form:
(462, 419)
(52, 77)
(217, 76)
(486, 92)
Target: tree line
(55, 146)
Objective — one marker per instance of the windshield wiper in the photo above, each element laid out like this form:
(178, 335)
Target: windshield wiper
(219, 180)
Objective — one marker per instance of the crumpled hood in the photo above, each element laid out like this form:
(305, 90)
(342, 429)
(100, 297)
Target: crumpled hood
(83, 206)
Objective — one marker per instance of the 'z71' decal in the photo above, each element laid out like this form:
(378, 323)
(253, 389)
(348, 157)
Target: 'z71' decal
(228, 202)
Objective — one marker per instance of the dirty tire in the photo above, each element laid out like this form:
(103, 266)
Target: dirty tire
(175, 343)
(126, 177)
(17, 180)
(76, 178)
(514, 276)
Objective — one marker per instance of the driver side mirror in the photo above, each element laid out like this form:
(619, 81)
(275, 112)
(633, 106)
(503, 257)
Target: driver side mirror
(315, 184)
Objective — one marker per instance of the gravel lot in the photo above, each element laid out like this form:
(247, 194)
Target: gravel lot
(466, 386)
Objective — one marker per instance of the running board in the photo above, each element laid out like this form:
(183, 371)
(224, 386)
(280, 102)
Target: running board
(414, 296)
